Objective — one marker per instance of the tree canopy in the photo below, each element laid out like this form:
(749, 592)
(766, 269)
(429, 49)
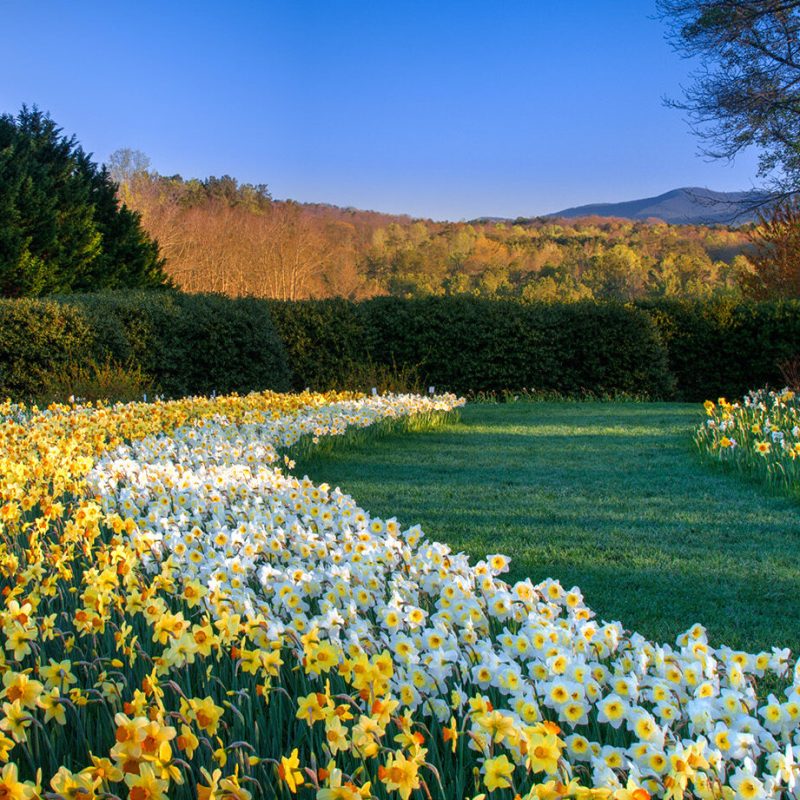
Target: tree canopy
(222, 236)
(746, 91)
(775, 254)
(64, 228)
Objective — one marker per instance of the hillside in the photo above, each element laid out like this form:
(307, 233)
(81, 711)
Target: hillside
(221, 236)
(685, 206)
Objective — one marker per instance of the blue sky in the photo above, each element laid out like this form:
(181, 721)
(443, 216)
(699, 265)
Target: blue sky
(449, 110)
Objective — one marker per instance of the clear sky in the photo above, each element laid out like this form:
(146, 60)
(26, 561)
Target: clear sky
(449, 110)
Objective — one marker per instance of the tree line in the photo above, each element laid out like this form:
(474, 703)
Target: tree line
(219, 235)
(68, 224)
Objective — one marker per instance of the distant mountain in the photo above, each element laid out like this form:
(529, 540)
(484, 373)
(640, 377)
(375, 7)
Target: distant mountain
(687, 206)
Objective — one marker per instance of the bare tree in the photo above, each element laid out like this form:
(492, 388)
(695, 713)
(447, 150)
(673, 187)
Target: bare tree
(747, 89)
(776, 253)
(125, 164)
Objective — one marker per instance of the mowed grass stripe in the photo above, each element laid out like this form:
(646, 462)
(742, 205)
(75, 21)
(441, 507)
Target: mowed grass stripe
(607, 496)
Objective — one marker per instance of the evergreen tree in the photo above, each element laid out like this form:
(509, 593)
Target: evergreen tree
(63, 228)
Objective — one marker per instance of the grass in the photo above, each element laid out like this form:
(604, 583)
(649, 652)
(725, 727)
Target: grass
(607, 496)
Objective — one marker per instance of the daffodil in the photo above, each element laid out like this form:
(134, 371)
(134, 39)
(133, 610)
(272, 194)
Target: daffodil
(543, 752)
(16, 721)
(497, 773)
(12, 788)
(400, 774)
(205, 712)
(338, 789)
(84, 784)
(289, 771)
(54, 707)
(146, 785)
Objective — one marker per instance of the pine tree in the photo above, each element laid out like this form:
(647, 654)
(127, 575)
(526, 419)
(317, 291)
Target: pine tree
(63, 228)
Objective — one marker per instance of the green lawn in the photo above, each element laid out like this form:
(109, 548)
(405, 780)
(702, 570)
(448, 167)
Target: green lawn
(607, 496)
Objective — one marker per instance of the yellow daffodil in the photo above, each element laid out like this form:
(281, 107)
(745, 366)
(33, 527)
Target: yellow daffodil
(289, 771)
(497, 773)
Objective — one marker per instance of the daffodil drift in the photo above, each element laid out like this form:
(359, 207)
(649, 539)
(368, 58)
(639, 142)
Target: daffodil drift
(184, 617)
(759, 436)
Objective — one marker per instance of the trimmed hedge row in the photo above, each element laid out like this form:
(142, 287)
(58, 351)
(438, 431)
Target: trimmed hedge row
(198, 344)
(669, 349)
(189, 344)
(723, 348)
(464, 344)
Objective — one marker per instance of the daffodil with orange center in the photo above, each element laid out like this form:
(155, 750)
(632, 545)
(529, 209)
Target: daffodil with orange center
(12, 788)
(289, 771)
(146, 785)
(400, 774)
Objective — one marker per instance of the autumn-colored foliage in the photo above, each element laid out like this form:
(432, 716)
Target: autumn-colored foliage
(776, 253)
(221, 236)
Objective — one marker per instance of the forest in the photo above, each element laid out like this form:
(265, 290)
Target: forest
(217, 235)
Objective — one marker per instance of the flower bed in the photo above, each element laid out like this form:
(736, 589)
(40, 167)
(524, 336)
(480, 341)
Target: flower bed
(199, 622)
(759, 436)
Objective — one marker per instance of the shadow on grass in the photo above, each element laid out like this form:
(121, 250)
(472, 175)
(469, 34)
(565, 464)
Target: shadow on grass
(609, 497)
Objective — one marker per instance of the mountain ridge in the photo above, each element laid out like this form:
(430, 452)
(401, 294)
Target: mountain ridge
(688, 205)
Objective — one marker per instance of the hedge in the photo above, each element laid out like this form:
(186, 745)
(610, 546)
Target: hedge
(469, 345)
(325, 341)
(37, 340)
(198, 344)
(723, 348)
(669, 349)
(189, 344)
